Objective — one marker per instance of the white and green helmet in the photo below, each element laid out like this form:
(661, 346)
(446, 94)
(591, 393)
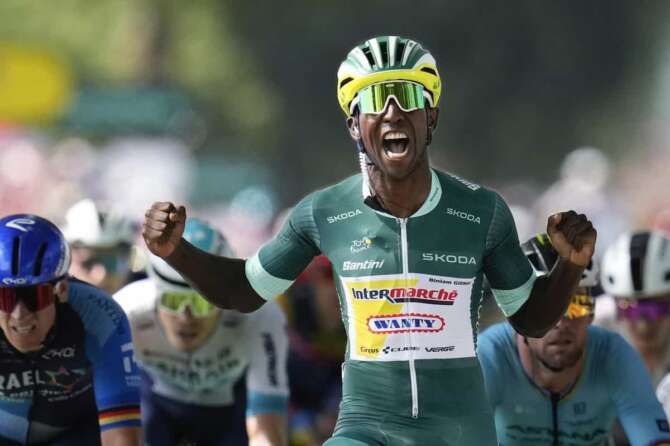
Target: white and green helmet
(384, 59)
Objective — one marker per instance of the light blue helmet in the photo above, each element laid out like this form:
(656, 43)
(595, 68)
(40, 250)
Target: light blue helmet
(202, 236)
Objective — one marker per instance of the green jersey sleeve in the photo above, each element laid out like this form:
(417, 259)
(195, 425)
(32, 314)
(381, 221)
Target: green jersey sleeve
(277, 263)
(506, 267)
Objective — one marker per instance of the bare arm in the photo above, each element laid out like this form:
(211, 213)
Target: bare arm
(221, 280)
(122, 436)
(548, 300)
(574, 237)
(267, 430)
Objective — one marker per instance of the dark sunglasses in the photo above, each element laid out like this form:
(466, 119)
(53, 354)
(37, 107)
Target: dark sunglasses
(34, 297)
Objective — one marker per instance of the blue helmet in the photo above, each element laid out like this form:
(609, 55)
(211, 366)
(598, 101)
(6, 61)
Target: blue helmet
(32, 251)
(201, 235)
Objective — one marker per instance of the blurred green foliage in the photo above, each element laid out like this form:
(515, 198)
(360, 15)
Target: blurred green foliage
(155, 43)
(525, 80)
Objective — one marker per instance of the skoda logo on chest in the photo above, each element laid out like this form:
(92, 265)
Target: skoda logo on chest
(343, 216)
(464, 215)
(448, 258)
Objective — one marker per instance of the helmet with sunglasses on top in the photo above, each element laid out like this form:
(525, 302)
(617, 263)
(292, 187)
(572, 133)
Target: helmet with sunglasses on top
(637, 265)
(88, 224)
(33, 257)
(542, 256)
(173, 290)
(387, 66)
(636, 272)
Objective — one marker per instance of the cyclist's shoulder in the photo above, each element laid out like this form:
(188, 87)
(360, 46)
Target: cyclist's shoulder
(137, 297)
(496, 337)
(347, 189)
(459, 189)
(99, 313)
(606, 345)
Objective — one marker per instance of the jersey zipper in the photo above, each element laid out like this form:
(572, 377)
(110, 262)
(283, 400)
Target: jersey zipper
(555, 398)
(404, 253)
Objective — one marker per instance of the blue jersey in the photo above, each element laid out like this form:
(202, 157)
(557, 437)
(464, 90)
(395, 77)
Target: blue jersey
(613, 383)
(83, 376)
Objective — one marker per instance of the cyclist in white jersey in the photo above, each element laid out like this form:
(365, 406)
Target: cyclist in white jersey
(198, 361)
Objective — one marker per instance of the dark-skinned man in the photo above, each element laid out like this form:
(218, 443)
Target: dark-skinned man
(409, 247)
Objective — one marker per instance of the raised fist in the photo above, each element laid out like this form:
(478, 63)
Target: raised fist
(163, 227)
(573, 237)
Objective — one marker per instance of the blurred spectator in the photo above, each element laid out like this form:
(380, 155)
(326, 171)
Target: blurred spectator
(584, 187)
(662, 221)
(317, 344)
(135, 171)
(101, 243)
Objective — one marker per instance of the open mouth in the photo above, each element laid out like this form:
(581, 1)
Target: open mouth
(24, 329)
(395, 144)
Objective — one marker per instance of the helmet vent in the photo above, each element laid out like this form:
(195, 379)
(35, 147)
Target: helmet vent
(16, 253)
(610, 279)
(385, 53)
(37, 269)
(368, 56)
(638, 253)
(429, 70)
(400, 51)
(101, 219)
(667, 276)
(636, 272)
(346, 81)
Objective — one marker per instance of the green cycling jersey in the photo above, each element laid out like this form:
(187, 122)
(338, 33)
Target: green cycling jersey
(409, 291)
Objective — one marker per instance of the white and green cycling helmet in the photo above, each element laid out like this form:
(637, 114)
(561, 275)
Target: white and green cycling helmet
(201, 235)
(379, 62)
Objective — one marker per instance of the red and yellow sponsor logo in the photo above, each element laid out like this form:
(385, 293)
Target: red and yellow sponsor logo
(386, 314)
(405, 323)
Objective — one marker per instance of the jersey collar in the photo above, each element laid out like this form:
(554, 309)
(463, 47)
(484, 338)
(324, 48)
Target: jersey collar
(434, 196)
(431, 202)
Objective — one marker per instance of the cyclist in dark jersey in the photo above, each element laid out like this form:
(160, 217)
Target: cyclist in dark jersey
(67, 374)
(409, 247)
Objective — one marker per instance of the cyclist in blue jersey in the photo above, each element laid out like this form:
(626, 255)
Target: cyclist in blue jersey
(410, 246)
(67, 375)
(206, 372)
(568, 387)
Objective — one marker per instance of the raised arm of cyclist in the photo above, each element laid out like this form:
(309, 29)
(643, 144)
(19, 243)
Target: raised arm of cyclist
(224, 282)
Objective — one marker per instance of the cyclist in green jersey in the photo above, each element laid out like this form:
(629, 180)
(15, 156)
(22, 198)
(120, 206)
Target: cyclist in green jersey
(409, 247)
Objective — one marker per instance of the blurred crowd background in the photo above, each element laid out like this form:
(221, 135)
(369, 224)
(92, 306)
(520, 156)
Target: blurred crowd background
(230, 108)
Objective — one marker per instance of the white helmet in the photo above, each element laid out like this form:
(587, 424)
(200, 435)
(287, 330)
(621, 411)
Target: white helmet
(199, 234)
(87, 225)
(636, 265)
